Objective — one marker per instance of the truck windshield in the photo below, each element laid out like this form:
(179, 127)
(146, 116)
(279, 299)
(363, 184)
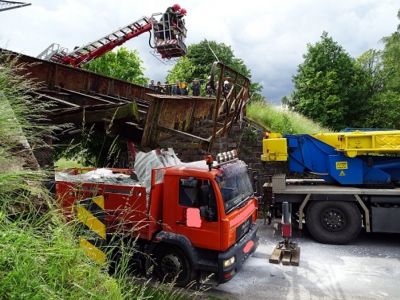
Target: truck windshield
(235, 185)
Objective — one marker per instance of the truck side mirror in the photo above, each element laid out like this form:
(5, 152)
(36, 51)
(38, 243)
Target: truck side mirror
(193, 218)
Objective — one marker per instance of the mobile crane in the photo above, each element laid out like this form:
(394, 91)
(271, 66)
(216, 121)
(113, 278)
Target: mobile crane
(358, 172)
(167, 34)
(189, 218)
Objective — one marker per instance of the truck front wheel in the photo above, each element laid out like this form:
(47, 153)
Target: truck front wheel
(333, 222)
(173, 266)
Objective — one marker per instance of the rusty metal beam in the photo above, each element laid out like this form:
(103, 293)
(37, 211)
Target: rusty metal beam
(58, 100)
(95, 99)
(136, 111)
(52, 75)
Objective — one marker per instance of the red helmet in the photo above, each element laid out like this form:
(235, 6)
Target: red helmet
(176, 7)
(183, 11)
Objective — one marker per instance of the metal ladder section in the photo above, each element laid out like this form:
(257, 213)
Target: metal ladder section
(100, 46)
(118, 35)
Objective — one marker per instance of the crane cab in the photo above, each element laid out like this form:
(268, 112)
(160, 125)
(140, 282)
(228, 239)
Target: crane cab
(169, 36)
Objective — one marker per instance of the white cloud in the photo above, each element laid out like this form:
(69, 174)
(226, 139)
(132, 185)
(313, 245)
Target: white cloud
(270, 36)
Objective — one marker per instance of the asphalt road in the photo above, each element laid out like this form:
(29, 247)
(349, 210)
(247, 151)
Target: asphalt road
(369, 268)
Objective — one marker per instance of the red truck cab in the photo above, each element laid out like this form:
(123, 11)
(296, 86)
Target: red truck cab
(193, 218)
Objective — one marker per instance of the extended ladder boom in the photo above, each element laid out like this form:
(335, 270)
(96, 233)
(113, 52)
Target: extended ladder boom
(168, 34)
(108, 42)
(99, 47)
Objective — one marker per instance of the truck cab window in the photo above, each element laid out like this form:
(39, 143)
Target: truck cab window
(189, 192)
(198, 193)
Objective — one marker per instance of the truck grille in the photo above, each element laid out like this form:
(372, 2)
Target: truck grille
(243, 228)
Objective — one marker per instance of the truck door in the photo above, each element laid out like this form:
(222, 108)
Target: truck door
(197, 201)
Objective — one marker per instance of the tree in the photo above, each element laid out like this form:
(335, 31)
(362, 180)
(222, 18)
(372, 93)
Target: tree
(329, 86)
(384, 111)
(371, 63)
(123, 64)
(391, 59)
(285, 101)
(384, 101)
(199, 59)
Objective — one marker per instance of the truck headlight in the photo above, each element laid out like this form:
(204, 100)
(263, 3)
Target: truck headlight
(229, 262)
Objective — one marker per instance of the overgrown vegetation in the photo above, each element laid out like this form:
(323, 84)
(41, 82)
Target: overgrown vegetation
(339, 91)
(39, 258)
(39, 254)
(281, 121)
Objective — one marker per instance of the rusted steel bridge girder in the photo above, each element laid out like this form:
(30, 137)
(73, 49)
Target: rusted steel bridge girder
(135, 112)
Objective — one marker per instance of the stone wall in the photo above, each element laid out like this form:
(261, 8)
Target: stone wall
(246, 137)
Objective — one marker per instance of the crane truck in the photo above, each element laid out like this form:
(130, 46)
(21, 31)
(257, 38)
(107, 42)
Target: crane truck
(167, 38)
(187, 219)
(356, 186)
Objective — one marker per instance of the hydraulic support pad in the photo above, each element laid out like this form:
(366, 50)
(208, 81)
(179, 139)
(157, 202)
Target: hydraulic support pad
(286, 251)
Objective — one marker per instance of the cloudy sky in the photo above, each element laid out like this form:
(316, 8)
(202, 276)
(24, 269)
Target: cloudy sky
(270, 36)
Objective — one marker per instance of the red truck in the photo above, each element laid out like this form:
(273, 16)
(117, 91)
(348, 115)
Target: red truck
(191, 219)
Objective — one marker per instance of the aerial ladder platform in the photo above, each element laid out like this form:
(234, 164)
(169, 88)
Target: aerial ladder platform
(167, 39)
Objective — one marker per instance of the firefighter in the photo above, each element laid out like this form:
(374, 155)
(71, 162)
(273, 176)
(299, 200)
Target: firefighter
(181, 22)
(169, 20)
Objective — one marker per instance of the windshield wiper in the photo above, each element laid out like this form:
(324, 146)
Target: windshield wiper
(243, 202)
(240, 204)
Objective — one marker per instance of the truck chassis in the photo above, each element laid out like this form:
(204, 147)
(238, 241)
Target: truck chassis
(335, 214)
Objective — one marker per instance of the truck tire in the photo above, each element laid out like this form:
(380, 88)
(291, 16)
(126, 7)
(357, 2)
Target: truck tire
(333, 222)
(173, 266)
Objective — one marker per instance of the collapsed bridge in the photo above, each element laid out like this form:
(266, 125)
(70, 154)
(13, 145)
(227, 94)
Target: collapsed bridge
(134, 112)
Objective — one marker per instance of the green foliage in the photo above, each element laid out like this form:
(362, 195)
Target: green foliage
(329, 86)
(183, 71)
(20, 113)
(46, 264)
(94, 148)
(334, 89)
(282, 121)
(384, 110)
(123, 64)
(199, 59)
(383, 71)
(64, 163)
(39, 259)
(391, 59)
(39, 254)
(371, 63)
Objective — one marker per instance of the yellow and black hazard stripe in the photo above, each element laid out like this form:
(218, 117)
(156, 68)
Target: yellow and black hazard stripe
(93, 236)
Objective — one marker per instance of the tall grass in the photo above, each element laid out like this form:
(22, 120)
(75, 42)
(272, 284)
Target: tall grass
(39, 254)
(39, 257)
(283, 121)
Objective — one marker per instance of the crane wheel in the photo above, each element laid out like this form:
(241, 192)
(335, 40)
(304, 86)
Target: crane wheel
(333, 222)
